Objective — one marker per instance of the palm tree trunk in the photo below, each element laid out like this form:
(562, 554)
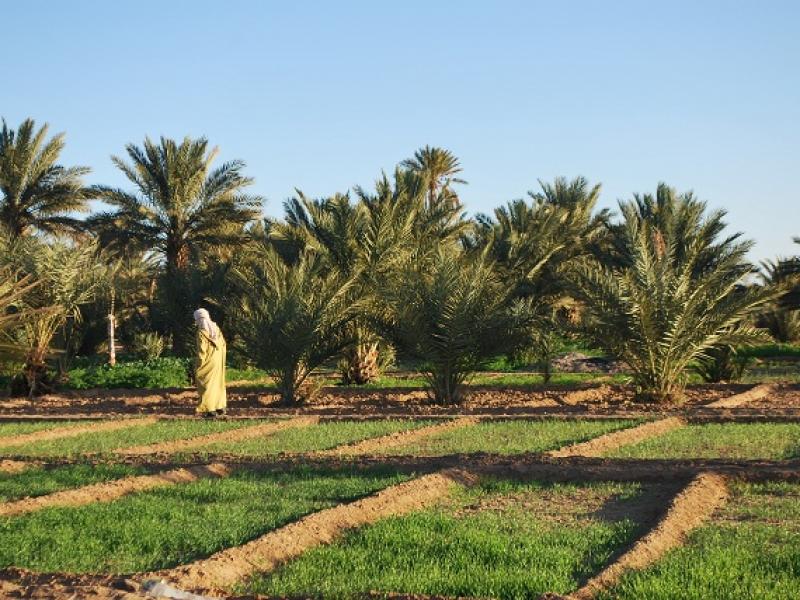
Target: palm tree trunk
(361, 364)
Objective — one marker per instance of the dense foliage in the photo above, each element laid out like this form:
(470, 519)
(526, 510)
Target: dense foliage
(361, 277)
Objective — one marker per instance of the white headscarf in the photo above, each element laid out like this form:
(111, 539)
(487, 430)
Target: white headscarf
(204, 323)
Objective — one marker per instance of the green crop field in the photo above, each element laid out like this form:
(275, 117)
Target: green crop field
(721, 440)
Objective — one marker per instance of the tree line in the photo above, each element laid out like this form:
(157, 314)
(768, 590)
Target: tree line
(356, 277)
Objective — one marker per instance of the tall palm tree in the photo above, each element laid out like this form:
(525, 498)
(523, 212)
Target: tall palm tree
(181, 209)
(667, 302)
(439, 169)
(37, 193)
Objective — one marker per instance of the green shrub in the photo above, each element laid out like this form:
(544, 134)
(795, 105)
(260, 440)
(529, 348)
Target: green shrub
(158, 373)
(148, 346)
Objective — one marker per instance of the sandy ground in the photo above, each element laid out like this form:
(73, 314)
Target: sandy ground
(582, 399)
(610, 441)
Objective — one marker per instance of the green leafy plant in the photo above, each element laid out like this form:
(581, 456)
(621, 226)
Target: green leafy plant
(37, 193)
(148, 346)
(675, 292)
(292, 317)
(452, 313)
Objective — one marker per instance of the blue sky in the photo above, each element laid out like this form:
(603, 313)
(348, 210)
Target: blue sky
(324, 95)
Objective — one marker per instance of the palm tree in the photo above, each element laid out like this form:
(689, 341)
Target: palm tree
(452, 313)
(668, 302)
(782, 316)
(68, 277)
(36, 193)
(182, 210)
(536, 246)
(438, 169)
(292, 317)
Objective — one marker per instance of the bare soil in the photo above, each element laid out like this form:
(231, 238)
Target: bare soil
(14, 466)
(264, 554)
(688, 509)
(400, 438)
(112, 490)
(588, 399)
(231, 435)
(74, 430)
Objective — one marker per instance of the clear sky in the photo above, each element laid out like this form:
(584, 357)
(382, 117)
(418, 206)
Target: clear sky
(324, 95)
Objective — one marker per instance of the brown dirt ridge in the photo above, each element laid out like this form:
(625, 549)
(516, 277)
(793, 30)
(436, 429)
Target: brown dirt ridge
(393, 440)
(231, 435)
(265, 553)
(74, 430)
(690, 508)
(14, 466)
(757, 392)
(610, 441)
(112, 490)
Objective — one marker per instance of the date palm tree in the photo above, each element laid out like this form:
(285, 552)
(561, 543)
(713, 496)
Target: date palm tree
(291, 317)
(675, 294)
(438, 169)
(37, 193)
(453, 313)
(181, 209)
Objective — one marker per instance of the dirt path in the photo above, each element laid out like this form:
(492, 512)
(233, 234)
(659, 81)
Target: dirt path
(231, 435)
(755, 393)
(74, 430)
(112, 490)
(611, 441)
(14, 466)
(689, 509)
(264, 554)
(393, 440)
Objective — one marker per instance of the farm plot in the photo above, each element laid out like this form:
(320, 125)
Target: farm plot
(499, 539)
(11, 429)
(774, 441)
(321, 436)
(39, 480)
(106, 442)
(174, 525)
(751, 549)
(509, 437)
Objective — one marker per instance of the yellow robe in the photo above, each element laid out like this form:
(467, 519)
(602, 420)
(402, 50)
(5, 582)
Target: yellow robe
(210, 372)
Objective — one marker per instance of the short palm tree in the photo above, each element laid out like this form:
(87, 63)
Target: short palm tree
(292, 317)
(182, 209)
(68, 277)
(782, 316)
(453, 314)
(668, 302)
(37, 193)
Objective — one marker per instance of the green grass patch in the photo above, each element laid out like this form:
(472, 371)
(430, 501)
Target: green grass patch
(775, 441)
(502, 549)
(770, 350)
(13, 429)
(165, 372)
(315, 437)
(173, 525)
(751, 551)
(38, 481)
(105, 442)
(510, 437)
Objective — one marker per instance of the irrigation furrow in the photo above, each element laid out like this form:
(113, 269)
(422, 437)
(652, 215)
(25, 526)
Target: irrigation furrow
(58, 433)
(393, 440)
(610, 441)
(112, 490)
(755, 393)
(231, 435)
(264, 554)
(689, 509)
